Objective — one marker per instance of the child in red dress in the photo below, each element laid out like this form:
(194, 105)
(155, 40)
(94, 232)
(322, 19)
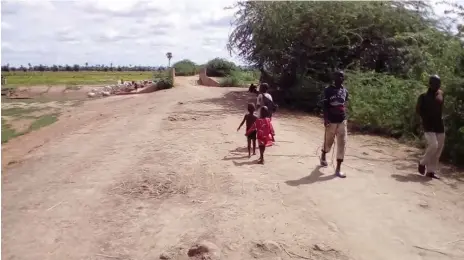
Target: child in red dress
(265, 132)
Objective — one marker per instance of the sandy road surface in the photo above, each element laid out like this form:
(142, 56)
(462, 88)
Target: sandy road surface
(135, 177)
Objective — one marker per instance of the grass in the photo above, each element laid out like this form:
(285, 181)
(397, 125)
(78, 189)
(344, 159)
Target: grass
(7, 132)
(240, 79)
(17, 111)
(20, 78)
(42, 121)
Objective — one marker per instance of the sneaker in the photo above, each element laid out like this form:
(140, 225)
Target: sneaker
(324, 163)
(432, 175)
(340, 174)
(421, 169)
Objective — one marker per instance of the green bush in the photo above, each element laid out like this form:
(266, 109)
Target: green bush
(220, 68)
(230, 81)
(382, 103)
(240, 79)
(165, 83)
(454, 121)
(164, 80)
(185, 68)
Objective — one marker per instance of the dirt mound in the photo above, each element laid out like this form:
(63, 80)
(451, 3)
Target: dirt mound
(274, 250)
(181, 118)
(148, 187)
(265, 249)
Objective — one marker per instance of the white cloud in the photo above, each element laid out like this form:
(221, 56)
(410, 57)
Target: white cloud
(118, 32)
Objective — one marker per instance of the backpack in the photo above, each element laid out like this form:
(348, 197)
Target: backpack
(270, 104)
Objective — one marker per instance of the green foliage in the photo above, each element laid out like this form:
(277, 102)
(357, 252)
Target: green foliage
(383, 103)
(164, 80)
(454, 120)
(240, 79)
(220, 68)
(42, 121)
(164, 84)
(8, 132)
(30, 78)
(185, 68)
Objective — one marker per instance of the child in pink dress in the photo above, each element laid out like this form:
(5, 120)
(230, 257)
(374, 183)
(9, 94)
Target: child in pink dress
(265, 132)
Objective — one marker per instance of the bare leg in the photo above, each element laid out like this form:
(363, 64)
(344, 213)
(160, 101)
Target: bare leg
(254, 146)
(249, 146)
(261, 153)
(323, 159)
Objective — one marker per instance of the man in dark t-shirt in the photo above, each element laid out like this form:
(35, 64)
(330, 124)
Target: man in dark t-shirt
(335, 99)
(430, 108)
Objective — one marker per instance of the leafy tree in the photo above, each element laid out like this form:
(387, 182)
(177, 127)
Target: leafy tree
(185, 68)
(220, 67)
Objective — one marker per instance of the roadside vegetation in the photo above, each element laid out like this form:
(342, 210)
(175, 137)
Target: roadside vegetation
(388, 50)
(31, 78)
(18, 121)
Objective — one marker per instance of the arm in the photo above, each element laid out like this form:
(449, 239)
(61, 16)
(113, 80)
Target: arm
(271, 128)
(241, 124)
(258, 101)
(440, 96)
(252, 128)
(326, 106)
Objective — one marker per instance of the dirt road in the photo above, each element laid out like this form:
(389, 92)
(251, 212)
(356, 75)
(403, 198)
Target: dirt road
(144, 176)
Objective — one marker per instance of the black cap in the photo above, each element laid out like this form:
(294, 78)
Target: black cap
(435, 77)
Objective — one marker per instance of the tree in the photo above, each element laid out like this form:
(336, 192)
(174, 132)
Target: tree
(169, 56)
(185, 68)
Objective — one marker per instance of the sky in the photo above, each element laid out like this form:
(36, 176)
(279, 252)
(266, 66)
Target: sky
(122, 32)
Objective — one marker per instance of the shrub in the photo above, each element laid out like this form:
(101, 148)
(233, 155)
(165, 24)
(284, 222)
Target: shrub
(165, 83)
(163, 80)
(230, 81)
(239, 79)
(219, 68)
(383, 104)
(454, 121)
(185, 68)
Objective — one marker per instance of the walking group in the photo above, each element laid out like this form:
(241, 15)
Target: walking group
(429, 107)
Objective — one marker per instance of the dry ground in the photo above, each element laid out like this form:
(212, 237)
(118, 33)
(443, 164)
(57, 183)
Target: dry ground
(149, 176)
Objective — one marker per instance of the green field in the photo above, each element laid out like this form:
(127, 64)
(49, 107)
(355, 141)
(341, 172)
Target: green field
(74, 78)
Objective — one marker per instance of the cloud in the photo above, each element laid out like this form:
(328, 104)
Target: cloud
(118, 32)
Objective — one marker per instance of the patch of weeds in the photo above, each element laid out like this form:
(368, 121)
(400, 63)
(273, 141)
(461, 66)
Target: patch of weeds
(8, 132)
(17, 111)
(42, 121)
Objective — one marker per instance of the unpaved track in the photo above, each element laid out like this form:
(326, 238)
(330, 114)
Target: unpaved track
(132, 177)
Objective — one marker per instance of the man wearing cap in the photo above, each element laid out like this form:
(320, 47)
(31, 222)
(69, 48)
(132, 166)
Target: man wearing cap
(335, 101)
(430, 108)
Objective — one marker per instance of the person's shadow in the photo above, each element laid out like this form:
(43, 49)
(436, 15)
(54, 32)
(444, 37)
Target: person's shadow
(315, 176)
